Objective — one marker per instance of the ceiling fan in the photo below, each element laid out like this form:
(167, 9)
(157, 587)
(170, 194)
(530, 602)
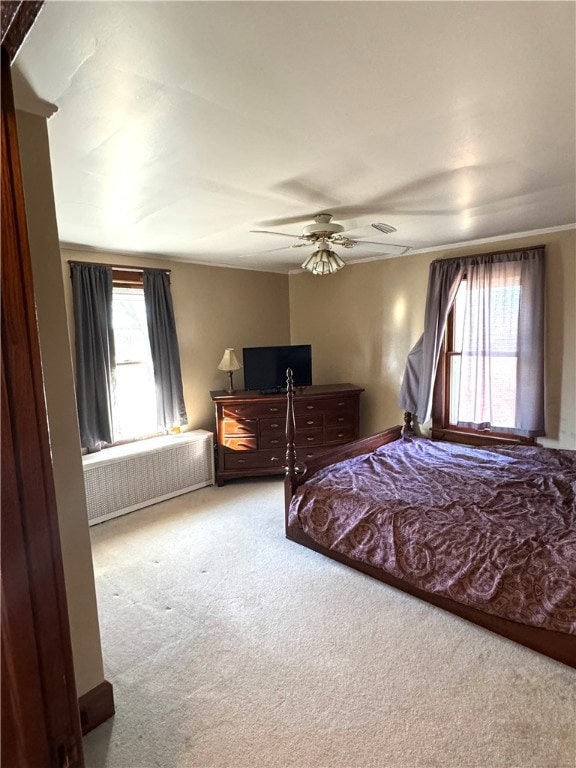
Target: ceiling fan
(324, 233)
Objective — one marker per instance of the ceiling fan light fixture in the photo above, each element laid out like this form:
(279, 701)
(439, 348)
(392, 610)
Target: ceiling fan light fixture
(323, 261)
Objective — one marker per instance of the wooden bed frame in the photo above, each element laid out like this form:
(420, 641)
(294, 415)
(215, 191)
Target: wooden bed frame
(556, 645)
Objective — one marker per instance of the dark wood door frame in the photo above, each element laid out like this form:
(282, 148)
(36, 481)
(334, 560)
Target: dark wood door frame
(40, 719)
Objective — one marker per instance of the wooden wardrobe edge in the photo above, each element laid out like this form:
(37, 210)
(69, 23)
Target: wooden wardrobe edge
(96, 706)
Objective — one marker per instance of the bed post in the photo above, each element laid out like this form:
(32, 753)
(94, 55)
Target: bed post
(408, 424)
(290, 480)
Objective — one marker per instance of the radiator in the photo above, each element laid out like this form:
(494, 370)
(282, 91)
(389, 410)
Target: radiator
(126, 477)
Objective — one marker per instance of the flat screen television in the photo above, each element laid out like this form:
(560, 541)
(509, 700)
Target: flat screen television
(265, 367)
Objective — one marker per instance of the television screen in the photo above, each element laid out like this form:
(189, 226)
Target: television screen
(265, 367)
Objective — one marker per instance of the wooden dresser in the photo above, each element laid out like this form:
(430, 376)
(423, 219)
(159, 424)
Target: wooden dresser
(251, 427)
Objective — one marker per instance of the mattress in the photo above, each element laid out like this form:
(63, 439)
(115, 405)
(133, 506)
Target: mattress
(493, 528)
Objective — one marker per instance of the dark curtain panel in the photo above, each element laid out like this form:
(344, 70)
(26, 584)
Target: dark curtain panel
(418, 382)
(171, 410)
(92, 295)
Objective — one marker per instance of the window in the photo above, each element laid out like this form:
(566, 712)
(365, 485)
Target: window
(127, 357)
(477, 384)
(482, 380)
(134, 393)
(479, 364)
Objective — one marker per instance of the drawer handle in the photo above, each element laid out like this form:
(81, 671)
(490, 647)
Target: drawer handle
(274, 426)
(309, 455)
(311, 439)
(341, 418)
(310, 421)
(273, 410)
(343, 403)
(310, 407)
(340, 434)
(241, 461)
(274, 458)
(274, 442)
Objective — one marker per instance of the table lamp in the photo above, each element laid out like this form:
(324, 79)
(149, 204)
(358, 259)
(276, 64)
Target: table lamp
(229, 363)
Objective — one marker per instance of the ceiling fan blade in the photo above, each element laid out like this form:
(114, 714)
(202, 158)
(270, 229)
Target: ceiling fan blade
(299, 219)
(303, 191)
(268, 232)
(387, 229)
(385, 247)
(346, 212)
(275, 250)
(377, 242)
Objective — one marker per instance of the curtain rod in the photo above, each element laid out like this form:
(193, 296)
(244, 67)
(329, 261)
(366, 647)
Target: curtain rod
(119, 266)
(490, 253)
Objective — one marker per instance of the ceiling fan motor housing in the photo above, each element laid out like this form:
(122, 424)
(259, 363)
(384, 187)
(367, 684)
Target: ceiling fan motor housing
(322, 225)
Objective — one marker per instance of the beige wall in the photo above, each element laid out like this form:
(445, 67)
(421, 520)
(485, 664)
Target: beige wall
(363, 320)
(59, 391)
(214, 308)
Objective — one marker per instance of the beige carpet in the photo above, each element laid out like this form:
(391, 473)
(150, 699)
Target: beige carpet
(229, 646)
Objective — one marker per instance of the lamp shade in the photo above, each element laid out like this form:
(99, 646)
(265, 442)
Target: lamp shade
(324, 261)
(229, 361)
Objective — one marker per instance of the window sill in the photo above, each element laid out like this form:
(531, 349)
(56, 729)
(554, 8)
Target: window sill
(141, 447)
(478, 438)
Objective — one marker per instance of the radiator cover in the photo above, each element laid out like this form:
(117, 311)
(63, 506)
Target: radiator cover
(126, 477)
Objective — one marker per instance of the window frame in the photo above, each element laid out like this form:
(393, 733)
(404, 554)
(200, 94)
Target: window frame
(130, 278)
(127, 278)
(442, 429)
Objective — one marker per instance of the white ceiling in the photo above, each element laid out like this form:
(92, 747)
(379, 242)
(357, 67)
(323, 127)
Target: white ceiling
(181, 126)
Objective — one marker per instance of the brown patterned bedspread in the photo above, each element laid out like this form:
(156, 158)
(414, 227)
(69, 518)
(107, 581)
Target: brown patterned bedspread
(494, 528)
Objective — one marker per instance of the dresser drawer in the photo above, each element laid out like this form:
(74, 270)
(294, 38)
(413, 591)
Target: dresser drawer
(273, 426)
(247, 443)
(306, 407)
(252, 410)
(256, 460)
(304, 454)
(310, 437)
(278, 426)
(273, 441)
(232, 427)
(339, 434)
(340, 419)
(309, 420)
(336, 405)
